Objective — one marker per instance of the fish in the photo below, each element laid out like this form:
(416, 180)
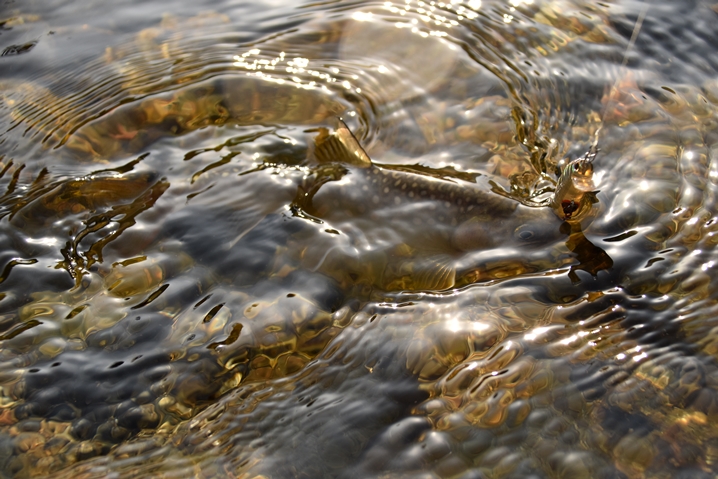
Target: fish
(410, 223)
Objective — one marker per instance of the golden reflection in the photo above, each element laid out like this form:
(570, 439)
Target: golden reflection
(363, 284)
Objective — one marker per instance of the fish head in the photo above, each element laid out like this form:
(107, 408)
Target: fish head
(541, 229)
(525, 227)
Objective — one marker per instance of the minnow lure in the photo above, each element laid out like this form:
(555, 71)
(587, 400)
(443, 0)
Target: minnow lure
(575, 191)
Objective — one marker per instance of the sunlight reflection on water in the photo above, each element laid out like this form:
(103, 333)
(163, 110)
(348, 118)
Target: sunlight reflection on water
(201, 278)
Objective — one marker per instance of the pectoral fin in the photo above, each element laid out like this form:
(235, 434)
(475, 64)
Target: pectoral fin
(433, 273)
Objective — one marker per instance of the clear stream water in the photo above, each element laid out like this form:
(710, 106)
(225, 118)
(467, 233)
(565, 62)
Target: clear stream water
(187, 291)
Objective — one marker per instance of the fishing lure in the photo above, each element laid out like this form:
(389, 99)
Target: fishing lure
(575, 191)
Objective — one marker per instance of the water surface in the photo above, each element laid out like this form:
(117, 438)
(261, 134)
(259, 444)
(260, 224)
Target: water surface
(188, 290)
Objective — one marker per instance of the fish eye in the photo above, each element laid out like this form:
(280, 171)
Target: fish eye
(524, 233)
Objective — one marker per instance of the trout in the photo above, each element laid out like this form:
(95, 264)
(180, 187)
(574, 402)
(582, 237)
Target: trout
(411, 225)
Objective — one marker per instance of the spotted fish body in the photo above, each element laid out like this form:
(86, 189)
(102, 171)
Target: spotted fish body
(427, 218)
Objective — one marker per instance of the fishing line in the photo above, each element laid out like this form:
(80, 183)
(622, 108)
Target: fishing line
(634, 35)
(576, 191)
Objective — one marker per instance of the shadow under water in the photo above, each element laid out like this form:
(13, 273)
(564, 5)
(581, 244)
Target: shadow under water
(205, 275)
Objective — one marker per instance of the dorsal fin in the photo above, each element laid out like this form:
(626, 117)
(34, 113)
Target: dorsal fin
(340, 147)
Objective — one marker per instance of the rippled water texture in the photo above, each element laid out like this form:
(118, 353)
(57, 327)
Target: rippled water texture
(190, 287)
